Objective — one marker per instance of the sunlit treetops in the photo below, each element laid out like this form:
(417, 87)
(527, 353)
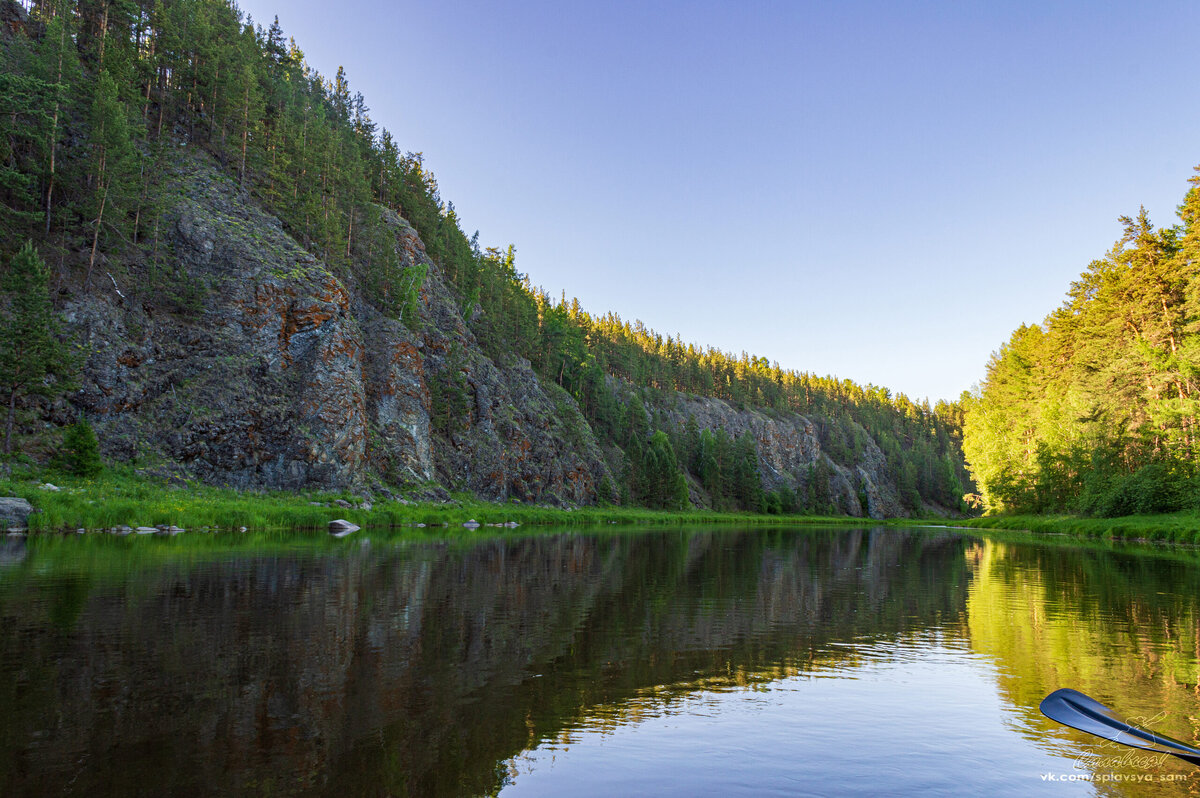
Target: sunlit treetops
(1095, 410)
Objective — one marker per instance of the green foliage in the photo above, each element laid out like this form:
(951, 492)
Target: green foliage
(785, 500)
(80, 453)
(121, 497)
(659, 482)
(24, 115)
(448, 401)
(1095, 410)
(30, 349)
(1178, 527)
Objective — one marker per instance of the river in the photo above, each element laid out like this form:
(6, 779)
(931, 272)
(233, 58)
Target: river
(724, 662)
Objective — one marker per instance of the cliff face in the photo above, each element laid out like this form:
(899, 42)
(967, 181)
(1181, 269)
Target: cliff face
(789, 451)
(279, 375)
(267, 369)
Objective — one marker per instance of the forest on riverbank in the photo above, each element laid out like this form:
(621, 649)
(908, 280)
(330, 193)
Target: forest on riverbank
(1094, 411)
(102, 99)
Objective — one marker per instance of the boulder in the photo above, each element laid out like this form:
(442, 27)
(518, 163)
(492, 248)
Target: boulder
(14, 512)
(341, 527)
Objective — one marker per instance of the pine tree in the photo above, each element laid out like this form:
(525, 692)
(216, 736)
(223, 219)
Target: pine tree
(30, 349)
(113, 161)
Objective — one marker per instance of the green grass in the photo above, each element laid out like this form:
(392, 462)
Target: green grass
(124, 498)
(1180, 527)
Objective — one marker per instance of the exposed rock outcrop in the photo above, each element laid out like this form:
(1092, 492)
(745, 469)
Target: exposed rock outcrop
(788, 448)
(280, 375)
(259, 386)
(264, 368)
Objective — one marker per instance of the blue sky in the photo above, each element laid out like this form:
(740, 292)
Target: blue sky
(880, 191)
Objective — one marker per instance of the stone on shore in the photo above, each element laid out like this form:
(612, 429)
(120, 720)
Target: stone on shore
(341, 527)
(14, 512)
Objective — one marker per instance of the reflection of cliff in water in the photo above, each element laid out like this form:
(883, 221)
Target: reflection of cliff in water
(419, 670)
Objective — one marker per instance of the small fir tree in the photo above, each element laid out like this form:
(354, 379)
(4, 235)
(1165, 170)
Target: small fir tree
(80, 454)
(30, 350)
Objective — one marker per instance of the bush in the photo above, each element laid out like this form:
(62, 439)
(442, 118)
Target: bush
(80, 453)
(1153, 488)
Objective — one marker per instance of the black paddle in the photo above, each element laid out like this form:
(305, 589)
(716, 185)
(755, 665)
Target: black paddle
(1073, 708)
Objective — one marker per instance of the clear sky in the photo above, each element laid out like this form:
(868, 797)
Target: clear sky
(881, 191)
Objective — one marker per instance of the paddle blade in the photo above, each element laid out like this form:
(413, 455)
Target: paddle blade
(1073, 708)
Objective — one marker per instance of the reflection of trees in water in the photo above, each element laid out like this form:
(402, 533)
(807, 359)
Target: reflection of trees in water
(1120, 626)
(417, 670)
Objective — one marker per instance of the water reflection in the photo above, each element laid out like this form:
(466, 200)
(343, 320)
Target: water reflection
(427, 669)
(1121, 626)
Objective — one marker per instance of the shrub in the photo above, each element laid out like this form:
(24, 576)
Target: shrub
(80, 453)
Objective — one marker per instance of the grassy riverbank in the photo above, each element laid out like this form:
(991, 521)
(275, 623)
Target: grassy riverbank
(117, 499)
(1180, 527)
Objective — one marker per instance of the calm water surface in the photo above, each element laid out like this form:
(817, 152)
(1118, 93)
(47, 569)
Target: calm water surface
(724, 663)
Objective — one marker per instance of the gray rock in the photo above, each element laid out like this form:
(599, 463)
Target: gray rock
(472, 524)
(367, 506)
(343, 503)
(146, 530)
(50, 487)
(341, 527)
(14, 511)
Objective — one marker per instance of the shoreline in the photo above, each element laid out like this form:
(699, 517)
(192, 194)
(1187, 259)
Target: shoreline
(1178, 527)
(116, 501)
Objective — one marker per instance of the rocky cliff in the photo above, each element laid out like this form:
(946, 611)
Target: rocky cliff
(267, 369)
(280, 375)
(789, 451)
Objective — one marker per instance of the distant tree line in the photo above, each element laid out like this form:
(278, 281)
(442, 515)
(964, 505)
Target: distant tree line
(95, 97)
